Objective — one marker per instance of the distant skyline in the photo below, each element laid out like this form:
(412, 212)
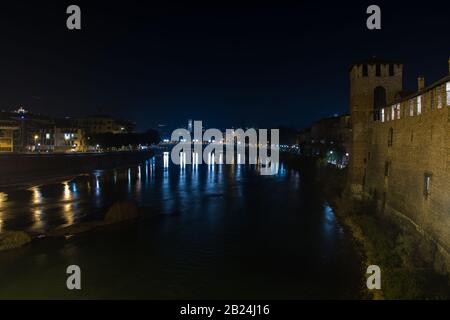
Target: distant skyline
(266, 64)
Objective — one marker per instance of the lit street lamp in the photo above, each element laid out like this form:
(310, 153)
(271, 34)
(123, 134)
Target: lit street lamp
(36, 137)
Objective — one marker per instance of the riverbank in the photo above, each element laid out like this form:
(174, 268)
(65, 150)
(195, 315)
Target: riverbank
(23, 170)
(401, 252)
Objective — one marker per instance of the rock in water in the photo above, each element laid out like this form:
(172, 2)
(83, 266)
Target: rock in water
(13, 239)
(121, 211)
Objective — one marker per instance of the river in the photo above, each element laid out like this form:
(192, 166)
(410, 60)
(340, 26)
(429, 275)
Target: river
(209, 232)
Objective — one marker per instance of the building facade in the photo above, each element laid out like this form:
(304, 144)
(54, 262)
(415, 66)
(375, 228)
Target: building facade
(22, 131)
(8, 128)
(101, 124)
(329, 138)
(400, 155)
(69, 138)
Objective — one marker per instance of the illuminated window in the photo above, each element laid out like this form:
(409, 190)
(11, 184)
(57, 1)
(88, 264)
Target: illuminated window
(382, 115)
(66, 136)
(397, 110)
(47, 136)
(448, 93)
(419, 105)
(393, 113)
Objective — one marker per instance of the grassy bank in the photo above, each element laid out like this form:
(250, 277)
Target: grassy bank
(399, 250)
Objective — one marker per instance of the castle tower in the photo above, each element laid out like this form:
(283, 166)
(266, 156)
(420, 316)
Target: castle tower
(374, 84)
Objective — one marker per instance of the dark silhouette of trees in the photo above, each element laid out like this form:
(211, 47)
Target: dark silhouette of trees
(110, 140)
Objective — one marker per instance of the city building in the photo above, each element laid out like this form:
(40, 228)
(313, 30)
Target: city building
(23, 131)
(328, 138)
(100, 124)
(68, 138)
(7, 129)
(30, 126)
(400, 154)
(44, 138)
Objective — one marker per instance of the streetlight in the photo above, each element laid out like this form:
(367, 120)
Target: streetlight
(36, 137)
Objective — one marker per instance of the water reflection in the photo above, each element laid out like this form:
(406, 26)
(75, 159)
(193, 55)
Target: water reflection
(165, 188)
(67, 192)
(238, 171)
(36, 195)
(138, 185)
(329, 219)
(129, 180)
(282, 170)
(68, 214)
(173, 189)
(169, 188)
(147, 164)
(37, 217)
(265, 235)
(74, 189)
(166, 159)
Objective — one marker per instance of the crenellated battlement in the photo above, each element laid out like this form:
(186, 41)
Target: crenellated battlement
(376, 68)
(432, 98)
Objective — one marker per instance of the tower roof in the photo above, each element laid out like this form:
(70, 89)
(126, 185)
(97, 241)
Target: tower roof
(375, 60)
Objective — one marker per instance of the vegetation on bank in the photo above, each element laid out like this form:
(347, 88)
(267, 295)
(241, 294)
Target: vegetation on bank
(399, 250)
(13, 239)
(110, 140)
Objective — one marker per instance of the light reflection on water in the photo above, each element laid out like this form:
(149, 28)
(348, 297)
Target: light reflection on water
(37, 195)
(169, 188)
(211, 230)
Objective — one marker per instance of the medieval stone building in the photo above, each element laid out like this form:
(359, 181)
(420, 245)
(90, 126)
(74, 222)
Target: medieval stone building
(401, 148)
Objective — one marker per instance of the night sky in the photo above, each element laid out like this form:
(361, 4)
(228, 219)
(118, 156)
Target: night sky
(263, 64)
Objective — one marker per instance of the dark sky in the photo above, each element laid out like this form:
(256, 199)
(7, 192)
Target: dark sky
(265, 63)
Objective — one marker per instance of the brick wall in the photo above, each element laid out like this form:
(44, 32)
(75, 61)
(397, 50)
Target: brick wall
(420, 148)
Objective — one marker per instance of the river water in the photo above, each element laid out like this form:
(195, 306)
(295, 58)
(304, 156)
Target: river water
(211, 232)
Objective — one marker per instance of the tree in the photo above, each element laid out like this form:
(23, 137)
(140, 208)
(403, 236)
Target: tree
(110, 140)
